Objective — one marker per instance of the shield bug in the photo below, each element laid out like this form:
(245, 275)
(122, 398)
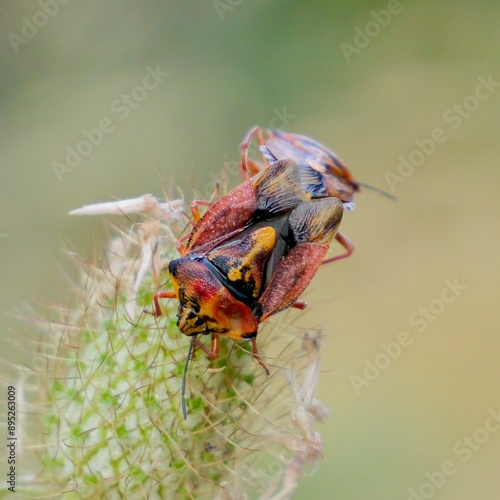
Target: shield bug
(250, 256)
(322, 173)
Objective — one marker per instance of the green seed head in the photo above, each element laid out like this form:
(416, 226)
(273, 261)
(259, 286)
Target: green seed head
(108, 393)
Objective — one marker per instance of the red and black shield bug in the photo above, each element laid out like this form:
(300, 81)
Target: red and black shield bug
(322, 173)
(250, 256)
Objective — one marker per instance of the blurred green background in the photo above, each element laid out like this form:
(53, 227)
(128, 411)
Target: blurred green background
(366, 82)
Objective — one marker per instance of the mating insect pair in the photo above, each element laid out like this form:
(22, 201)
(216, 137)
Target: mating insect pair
(254, 251)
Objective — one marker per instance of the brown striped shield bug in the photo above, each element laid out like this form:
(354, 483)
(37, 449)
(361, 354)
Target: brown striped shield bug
(322, 173)
(250, 256)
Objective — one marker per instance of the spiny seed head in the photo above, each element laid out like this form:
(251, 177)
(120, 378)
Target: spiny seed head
(108, 386)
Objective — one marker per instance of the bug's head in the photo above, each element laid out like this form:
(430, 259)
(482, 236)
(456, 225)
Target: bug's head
(206, 305)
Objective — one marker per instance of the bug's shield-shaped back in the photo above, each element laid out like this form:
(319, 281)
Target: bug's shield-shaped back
(242, 262)
(314, 224)
(222, 273)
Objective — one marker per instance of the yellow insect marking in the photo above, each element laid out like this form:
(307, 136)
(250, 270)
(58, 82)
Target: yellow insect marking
(263, 242)
(175, 284)
(234, 274)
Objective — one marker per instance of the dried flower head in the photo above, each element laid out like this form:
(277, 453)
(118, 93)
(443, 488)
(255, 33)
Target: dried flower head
(108, 382)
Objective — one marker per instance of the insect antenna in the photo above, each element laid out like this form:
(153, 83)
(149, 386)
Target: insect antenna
(378, 190)
(184, 377)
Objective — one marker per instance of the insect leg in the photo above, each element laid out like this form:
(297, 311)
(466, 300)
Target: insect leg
(162, 294)
(257, 356)
(195, 209)
(346, 243)
(213, 352)
(248, 167)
